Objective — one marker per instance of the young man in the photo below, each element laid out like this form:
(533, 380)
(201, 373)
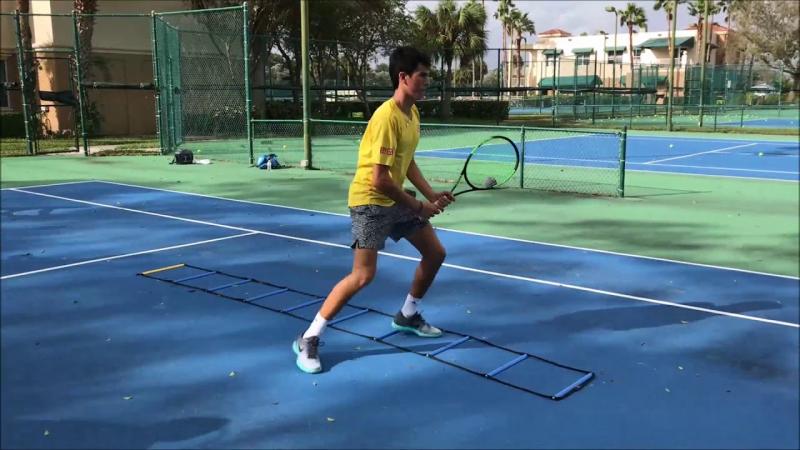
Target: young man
(380, 208)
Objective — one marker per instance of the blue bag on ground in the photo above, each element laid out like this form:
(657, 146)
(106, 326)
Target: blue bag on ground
(268, 162)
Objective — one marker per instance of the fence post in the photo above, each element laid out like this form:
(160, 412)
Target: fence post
(26, 106)
(156, 83)
(248, 101)
(522, 162)
(622, 152)
(306, 103)
(716, 109)
(79, 82)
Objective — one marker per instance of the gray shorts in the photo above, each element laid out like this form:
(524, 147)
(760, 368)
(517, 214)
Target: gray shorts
(372, 224)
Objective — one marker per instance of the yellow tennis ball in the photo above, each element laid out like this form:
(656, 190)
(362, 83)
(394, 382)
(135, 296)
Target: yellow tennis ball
(670, 146)
(760, 153)
(284, 145)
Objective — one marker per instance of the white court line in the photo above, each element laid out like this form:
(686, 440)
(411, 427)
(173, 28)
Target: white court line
(695, 174)
(48, 185)
(717, 168)
(700, 153)
(452, 266)
(504, 238)
(700, 139)
(109, 258)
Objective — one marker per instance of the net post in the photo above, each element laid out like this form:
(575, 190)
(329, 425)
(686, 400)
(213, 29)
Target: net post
(522, 161)
(248, 101)
(79, 82)
(622, 151)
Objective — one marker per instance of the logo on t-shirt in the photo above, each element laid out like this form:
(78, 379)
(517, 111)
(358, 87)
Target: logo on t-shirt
(387, 151)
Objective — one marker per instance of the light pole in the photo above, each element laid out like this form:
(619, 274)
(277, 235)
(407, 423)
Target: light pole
(611, 9)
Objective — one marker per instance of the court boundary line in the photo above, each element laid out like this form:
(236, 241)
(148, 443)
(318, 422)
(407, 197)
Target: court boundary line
(475, 233)
(126, 255)
(783, 172)
(690, 155)
(733, 177)
(48, 185)
(449, 265)
(700, 139)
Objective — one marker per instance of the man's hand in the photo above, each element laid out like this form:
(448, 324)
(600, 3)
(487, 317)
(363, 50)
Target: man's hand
(428, 210)
(442, 199)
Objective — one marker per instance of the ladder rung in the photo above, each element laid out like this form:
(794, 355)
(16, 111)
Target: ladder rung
(448, 346)
(267, 294)
(506, 365)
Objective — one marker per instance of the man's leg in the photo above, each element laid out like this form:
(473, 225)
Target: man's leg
(306, 345)
(365, 261)
(433, 255)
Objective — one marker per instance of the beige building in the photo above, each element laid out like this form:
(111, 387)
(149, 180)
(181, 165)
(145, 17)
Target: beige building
(121, 54)
(558, 57)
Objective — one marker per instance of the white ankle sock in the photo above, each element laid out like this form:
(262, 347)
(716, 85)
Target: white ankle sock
(410, 306)
(316, 328)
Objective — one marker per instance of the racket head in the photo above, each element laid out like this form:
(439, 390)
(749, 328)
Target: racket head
(491, 164)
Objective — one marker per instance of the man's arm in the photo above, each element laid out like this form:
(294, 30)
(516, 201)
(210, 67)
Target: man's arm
(383, 182)
(416, 178)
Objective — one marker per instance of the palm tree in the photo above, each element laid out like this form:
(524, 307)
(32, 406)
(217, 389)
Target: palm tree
(696, 9)
(521, 24)
(86, 10)
(632, 16)
(503, 14)
(449, 32)
(667, 6)
(726, 7)
(30, 95)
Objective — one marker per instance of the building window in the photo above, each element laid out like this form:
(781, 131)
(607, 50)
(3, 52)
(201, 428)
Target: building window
(3, 79)
(614, 57)
(582, 59)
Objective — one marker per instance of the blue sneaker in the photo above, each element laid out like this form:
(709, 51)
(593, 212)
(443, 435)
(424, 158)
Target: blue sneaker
(415, 324)
(307, 351)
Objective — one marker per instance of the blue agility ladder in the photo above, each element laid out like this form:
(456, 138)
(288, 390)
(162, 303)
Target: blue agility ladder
(275, 290)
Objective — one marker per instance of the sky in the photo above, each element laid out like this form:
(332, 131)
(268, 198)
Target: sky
(573, 16)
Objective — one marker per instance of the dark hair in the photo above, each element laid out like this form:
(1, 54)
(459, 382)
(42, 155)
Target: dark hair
(405, 59)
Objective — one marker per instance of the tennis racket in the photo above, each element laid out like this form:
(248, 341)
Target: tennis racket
(490, 165)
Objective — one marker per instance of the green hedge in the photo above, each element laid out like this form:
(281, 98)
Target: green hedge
(472, 109)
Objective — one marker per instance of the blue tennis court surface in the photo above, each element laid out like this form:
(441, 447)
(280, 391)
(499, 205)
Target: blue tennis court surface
(769, 160)
(96, 355)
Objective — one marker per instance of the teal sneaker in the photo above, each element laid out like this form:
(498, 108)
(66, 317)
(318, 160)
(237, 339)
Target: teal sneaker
(415, 324)
(307, 351)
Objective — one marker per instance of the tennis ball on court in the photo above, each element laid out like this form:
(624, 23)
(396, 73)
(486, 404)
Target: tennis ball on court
(760, 153)
(284, 146)
(670, 146)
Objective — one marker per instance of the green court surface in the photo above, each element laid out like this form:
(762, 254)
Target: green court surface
(740, 223)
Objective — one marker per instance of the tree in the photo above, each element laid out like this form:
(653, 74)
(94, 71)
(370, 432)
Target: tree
(451, 32)
(667, 6)
(520, 24)
(86, 10)
(503, 14)
(271, 24)
(769, 32)
(373, 27)
(696, 9)
(29, 71)
(632, 16)
(726, 7)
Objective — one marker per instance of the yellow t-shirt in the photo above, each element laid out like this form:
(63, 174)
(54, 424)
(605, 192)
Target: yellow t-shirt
(390, 139)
